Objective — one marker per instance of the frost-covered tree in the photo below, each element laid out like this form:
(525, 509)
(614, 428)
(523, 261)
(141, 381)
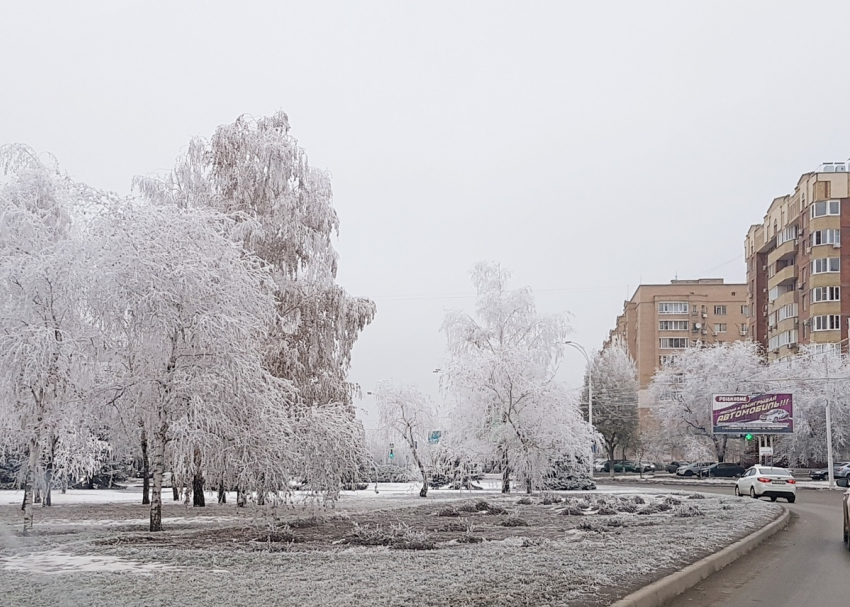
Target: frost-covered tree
(406, 412)
(506, 405)
(814, 378)
(683, 389)
(188, 311)
(255, 171)
(46, 338)
(615, 398)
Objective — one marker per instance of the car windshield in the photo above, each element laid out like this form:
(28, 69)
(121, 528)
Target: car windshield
(774, 471)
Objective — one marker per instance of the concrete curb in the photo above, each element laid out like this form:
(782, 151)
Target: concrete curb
(660, 591)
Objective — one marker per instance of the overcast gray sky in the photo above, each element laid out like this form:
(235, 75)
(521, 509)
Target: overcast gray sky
(588, 147)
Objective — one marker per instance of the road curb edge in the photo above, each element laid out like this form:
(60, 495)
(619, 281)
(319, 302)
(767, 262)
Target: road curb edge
(661, 591)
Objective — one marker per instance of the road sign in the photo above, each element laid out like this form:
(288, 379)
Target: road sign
(765, 450)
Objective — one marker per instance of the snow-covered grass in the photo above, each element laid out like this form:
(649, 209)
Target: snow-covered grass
(568, 552)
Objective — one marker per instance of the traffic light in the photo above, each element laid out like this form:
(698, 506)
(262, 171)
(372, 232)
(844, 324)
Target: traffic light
(748, 436)
(392, 455)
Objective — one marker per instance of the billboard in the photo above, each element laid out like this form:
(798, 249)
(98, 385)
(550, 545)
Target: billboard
(754, 414)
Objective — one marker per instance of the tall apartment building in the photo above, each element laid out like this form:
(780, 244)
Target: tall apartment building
(796, 268)
(661, 320)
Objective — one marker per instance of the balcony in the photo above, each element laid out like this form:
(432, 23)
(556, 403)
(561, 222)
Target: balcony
(785, 276)
(784, 251)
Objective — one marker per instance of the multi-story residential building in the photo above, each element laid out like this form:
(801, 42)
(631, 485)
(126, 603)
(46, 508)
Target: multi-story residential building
(795, 265)
(661, 320)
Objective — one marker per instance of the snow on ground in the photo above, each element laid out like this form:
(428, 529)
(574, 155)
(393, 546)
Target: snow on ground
(564, 554)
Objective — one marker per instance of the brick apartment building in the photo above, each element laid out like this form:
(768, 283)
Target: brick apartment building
(796, 267)
(661, 320)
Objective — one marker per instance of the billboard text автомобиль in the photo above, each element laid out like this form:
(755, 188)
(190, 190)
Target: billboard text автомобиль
(754, 414)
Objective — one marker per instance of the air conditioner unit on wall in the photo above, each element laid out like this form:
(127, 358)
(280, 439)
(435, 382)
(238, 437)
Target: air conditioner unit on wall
(704, 315)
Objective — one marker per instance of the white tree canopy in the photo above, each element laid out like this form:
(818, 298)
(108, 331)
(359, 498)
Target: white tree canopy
(506, 405)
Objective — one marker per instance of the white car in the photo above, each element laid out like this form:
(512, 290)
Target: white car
(845, 506)
(767, 481)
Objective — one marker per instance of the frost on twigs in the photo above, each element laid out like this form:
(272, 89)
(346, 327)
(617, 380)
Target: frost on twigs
(398, 536)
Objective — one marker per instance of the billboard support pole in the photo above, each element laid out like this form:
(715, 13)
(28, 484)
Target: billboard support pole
(829, 447)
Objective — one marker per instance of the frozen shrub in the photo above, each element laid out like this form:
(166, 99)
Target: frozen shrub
(726, 507)
(696, 496)
(651, 509)
(638, 500)
(453, 526)
(514, 521)
(551, 498)
(525, 501)
(672, 501)
(469, 539)
(304, 523)
(687, 511)
(468, 508)
(663, 507)
(572, 510)
(448, 511)
(606, 510)
(589, 526)
(627, 507)
(615, 522)
(482, 506)
(399, 537)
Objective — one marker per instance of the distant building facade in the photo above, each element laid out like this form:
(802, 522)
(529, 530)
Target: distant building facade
(661, 320)
(796, 266)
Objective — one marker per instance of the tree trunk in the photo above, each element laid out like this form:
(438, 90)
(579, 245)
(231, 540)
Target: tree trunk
(146, 470)
(175, 490)
(48, 480)
(158, 468)
(241, 498)
(412, 444)
(28, 485)
(611, 450)
(528, 485)
(198, 482)
(506, 472)
(222, 495)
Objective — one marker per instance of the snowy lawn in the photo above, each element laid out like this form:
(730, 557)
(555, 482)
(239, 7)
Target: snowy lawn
(387, 549)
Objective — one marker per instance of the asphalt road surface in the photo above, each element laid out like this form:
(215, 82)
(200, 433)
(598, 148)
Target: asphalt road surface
(806, 565)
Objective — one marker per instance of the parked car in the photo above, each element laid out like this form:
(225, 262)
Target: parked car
(692, 469)
(673, 466)
(845, 506)
(823, 473)
(767, 481)
(599, 465)
(843, 471)
(723, 469)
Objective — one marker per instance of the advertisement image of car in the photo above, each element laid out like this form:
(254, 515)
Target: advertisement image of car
(743, 413)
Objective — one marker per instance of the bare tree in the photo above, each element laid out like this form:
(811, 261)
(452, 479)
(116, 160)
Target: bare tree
(407, 413)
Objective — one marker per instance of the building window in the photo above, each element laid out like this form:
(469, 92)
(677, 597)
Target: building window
(720, 327)
(786, 311)
(672, 325)
(820, 237)
(825, 264)
(667, 359)
(826, 294)
(745, 330)
(830, 322)
(786, 338)
(827, 207)
(673, 307)
(673, 342)
(720, 310)
(789, 233)
(745, 310)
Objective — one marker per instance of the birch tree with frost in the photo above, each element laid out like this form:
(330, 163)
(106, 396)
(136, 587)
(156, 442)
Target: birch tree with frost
(46, 338)
(684, 387)
(406, 412)
(255, 172)
(506, 405)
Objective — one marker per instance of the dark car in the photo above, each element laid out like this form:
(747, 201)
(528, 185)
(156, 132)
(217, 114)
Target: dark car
(823, 473)
(723, 469)
(673, 466)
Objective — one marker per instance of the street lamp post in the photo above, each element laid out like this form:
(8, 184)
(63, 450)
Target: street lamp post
(581, 349)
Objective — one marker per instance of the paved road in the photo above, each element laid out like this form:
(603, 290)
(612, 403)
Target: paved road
(807, 565)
